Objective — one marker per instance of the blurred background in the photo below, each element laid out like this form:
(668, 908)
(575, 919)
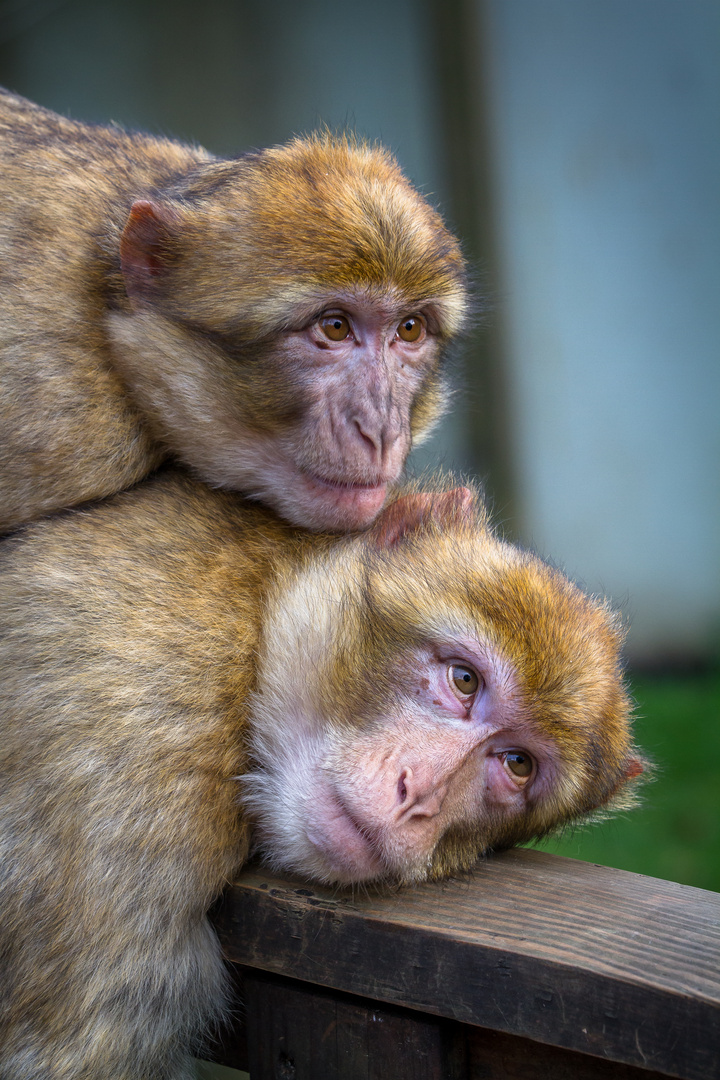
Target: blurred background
(574, 146)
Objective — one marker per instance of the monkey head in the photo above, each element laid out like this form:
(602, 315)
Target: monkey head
(427, 693)
(296, 304)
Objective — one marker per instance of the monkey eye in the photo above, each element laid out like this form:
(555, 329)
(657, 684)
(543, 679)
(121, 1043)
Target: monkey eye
(519, 765)
(335, 327)
(463, 681)
(412, 328)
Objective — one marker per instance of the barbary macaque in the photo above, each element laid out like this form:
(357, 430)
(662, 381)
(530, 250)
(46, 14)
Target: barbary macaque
(276, 322)
(186, 678)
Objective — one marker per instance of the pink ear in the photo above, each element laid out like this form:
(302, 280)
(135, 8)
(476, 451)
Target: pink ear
(411, 512)
(144, 247)
(634, 767)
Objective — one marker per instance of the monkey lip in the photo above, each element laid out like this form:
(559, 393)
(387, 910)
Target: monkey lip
(344, 504)
(343, 843)
(351, 487)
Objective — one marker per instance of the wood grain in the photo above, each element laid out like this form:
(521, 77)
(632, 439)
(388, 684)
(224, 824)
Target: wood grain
(578, 956)
(299, 1031)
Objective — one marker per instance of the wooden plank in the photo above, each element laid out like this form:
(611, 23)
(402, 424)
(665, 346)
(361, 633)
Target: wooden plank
(594, 960)
(299, 1031)
(492, 1055)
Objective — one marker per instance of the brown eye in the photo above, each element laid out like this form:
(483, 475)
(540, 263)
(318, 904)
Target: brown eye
(520, 766)
(412, 328)
(335, 327)
(463, 680)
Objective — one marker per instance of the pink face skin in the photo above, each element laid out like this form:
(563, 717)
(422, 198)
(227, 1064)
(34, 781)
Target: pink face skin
(360, 365)
(445, 757)
(349, 372)
(329, 428)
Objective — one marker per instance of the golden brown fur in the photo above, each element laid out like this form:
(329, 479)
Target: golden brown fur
(151, 302)
(147, 694)
(172, 652)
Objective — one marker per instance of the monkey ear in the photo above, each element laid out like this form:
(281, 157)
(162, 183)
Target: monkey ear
(635, 766)
(146, 247)
(412, 512)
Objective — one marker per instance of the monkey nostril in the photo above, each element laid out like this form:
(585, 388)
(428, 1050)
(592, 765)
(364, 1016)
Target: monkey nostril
(402, 788)
(371, 442)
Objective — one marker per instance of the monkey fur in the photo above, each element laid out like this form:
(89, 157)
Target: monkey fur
(276, 322)
(186, 678)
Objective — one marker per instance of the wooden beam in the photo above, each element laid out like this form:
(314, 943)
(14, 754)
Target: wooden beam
(583, 957)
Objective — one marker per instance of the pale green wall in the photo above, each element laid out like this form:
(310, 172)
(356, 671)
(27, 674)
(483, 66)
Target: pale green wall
(605, 145)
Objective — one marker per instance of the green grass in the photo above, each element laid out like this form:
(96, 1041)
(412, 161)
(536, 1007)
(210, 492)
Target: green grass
(675, 832)
(208, 1071)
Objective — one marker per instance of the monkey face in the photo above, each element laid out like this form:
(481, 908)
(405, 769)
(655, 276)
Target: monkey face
(295, 305)
(450, 753)
(316, 420)
(449, 696)
(352, 376)
(375, 802)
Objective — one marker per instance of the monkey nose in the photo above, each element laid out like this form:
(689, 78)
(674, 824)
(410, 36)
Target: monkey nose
(377, 439)
(372, 441)
(419, 796)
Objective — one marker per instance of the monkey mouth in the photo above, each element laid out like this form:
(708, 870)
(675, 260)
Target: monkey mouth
(342, 842)
(344, 504)
(354, 487)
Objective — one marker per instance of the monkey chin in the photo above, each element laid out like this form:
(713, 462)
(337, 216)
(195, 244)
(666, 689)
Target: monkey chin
(344, 852)
(253, 464)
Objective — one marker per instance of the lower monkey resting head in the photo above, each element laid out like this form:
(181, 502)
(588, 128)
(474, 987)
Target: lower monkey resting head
(426, 692)
(184, 676)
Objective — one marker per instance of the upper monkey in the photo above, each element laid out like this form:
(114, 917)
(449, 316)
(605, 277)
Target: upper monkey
(275, 321)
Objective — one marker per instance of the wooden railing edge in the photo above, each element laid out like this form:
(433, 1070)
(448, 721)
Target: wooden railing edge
(583, 958)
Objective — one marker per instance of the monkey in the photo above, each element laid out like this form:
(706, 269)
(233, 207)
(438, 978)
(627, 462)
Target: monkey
(187, 679)
(276, 322)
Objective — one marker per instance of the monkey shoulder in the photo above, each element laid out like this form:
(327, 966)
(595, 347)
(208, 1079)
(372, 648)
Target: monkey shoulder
(168, 540)
(151, 599)
(82, 174)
